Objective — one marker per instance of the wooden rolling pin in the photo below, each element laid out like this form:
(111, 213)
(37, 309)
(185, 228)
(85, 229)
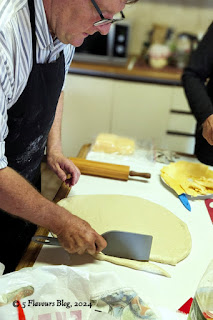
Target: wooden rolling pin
(107, 170)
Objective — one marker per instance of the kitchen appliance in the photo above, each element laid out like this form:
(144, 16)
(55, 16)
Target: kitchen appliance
(111, 48)
(120, 244)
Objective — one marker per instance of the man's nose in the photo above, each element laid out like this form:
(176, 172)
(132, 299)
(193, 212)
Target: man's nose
(104, 30)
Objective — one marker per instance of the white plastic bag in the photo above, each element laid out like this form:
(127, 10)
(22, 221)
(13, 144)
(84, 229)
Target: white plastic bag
(65, 293)
(2, 267)
(59, 293)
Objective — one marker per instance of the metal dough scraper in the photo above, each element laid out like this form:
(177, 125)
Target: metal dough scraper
(128, 245)
(120, 244)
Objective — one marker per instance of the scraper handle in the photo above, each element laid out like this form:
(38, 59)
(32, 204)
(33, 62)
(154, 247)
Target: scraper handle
(140, 174)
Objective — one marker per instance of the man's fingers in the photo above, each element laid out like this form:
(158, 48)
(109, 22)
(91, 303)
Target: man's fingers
(100, 244)
(208, 130)
(75, 176)
(69, 181)
(63, 167)
(92, 246)
(209, 137)
(77, 236)
(76, 244)
(61, 174)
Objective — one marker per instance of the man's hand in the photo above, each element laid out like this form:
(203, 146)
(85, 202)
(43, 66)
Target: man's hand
(62, 167)
(77, 236)
(208, 129)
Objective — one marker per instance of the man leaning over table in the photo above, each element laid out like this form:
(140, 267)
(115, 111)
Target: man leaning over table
(37, 39)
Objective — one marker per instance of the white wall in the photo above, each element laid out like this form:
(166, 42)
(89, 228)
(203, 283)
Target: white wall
(192, 16)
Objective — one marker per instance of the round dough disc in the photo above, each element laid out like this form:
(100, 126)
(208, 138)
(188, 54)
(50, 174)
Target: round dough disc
(171, 238)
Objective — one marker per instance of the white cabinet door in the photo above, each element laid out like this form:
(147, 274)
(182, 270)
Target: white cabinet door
(181, 124)
(137, 110)
(141, 111)
(87, 111)
(179, 101)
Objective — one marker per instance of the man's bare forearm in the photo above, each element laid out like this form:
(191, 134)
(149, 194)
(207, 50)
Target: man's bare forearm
(57, 162)
(20, 198)
(54, 137)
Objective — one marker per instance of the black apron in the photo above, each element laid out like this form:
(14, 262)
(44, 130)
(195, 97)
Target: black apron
(29, 122)
(203, 150)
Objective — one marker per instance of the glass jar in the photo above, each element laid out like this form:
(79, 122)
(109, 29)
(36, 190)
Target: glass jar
(202, 305)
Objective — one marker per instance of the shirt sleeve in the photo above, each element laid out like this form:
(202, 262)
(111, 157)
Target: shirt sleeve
(68, 56)
(196, 76)
(3, 115)
(3, 130)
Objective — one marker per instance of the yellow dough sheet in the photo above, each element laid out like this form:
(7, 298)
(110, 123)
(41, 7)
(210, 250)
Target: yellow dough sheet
(191, 178)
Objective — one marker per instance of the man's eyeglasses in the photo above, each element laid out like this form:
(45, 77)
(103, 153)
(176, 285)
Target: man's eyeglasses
(103, 20)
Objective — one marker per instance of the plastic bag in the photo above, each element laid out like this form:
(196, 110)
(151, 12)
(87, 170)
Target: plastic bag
(65, 293)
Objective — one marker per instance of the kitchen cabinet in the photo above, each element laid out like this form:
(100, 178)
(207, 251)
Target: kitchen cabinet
(87, 111)
(181, 124)
(141, 110)
(138, 110)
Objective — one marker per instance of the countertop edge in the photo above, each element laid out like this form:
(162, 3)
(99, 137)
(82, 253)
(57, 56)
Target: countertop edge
(123, 77)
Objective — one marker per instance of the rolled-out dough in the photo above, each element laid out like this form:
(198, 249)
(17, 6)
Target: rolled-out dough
(171, 237)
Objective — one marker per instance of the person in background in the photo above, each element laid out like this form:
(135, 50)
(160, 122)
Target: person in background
(197, 81)
(37, 40)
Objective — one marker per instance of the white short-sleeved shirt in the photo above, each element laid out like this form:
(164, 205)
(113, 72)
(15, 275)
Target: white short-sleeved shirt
(16, 55)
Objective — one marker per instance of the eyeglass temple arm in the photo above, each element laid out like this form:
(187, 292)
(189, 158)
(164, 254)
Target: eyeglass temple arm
(98, 9)
(122, 14)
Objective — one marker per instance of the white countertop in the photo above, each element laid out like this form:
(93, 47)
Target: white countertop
(171, 292)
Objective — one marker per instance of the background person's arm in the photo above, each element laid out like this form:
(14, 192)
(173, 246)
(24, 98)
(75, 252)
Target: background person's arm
(195, 76)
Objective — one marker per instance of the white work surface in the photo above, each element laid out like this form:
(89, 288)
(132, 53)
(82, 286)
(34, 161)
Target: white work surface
(160, 291)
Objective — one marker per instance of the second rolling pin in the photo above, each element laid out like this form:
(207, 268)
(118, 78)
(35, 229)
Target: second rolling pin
(107, 170)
